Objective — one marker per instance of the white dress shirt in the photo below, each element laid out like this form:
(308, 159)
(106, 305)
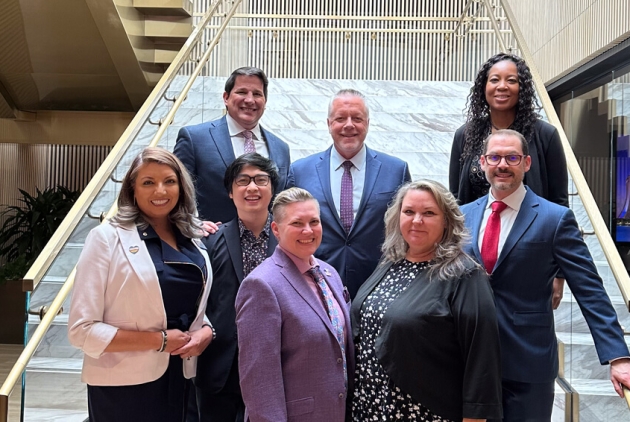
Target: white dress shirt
(238, 139)
(358, 178)
(508, 216)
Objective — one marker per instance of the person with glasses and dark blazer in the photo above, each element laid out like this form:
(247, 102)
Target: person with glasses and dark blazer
(235, 250)
(503, 97)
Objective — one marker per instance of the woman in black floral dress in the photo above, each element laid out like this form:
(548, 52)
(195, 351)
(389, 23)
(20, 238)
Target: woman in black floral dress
(424, 323)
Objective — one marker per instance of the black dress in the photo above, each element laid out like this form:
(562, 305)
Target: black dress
(181, 276)
(376, 397)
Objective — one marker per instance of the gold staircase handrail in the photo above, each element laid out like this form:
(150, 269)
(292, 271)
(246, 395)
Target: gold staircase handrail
(61, 235)
(42, 328)
(599, 226)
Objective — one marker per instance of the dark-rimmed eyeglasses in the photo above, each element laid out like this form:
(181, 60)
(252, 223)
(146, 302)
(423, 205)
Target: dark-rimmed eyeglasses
(511, 160)
(245, 180)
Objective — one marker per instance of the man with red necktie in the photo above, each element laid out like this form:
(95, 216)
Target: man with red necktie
(523, 240)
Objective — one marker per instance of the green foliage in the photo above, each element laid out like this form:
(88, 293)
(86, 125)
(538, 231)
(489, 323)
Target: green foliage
(29, 226)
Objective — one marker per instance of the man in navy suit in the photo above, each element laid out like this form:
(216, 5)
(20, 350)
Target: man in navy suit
(209, 148)
(353, 228)
(533, 239)
(238, 247)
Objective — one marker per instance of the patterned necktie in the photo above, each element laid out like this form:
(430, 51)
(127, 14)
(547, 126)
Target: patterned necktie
(346, 213)
(333, 313)
(249, 142)
(490, 243)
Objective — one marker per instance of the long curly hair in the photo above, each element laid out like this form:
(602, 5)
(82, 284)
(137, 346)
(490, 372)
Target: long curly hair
(478, 110)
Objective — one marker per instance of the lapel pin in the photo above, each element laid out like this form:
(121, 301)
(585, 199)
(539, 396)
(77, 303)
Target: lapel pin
(327, 272)
(134, 249)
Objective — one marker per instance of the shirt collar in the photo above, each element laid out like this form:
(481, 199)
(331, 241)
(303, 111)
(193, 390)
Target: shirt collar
(301, 265)
(514, 200)
(266, 229)
(336, 160)
(235, 129)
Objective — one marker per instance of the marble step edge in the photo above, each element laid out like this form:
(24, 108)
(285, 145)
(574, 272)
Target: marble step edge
(55, 365)
(40, 414)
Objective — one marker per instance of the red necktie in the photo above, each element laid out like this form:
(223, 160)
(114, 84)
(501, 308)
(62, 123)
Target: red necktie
(490, 244)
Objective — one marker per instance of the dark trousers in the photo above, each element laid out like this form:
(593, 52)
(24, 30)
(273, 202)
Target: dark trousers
(525, 402)
(223, 406)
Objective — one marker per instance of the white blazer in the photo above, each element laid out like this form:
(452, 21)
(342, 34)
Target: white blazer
(116, 286)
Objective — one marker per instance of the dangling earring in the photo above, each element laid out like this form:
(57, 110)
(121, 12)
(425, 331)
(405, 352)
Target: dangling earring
(134, 201)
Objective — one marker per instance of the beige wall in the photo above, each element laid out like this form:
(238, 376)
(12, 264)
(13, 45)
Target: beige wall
(564, 34)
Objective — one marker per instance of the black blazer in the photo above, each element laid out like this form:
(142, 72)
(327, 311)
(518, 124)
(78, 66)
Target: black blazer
(547, 176)
(439, 343)
(226, 257)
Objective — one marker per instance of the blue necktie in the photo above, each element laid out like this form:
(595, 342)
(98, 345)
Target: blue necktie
(333, 313)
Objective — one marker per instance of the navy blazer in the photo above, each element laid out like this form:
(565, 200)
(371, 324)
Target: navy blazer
(545, 237)
(206, 151)
(226, 256)
(353, 254)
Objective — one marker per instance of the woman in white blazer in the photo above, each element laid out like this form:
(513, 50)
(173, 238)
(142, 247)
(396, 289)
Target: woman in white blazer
(139, 299)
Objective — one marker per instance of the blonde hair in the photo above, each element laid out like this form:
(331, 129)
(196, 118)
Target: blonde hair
(450, 260)
(288, 197)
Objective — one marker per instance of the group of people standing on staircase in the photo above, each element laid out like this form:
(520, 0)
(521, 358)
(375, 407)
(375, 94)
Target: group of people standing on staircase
(334, 288)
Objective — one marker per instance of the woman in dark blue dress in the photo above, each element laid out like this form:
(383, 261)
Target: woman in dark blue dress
(138, 305)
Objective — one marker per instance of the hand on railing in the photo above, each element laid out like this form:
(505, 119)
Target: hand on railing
(626, 393)
(620, 376)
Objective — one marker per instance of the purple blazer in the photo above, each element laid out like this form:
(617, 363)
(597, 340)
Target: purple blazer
(290, 362)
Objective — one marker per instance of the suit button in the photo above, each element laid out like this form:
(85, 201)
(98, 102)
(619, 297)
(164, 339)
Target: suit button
(339, 360)
(340, 395)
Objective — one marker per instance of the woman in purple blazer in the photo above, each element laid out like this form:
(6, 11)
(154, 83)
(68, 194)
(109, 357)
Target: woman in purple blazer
(295, 350)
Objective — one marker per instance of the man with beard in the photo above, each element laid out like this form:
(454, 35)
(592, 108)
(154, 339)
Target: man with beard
(523, 240)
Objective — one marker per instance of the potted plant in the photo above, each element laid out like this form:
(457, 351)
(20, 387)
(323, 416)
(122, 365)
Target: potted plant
(24, 233)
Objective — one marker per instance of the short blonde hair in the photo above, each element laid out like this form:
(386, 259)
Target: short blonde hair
(288, 197)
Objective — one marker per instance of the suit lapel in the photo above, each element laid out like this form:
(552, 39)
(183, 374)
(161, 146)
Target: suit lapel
(290, 272)
(233, 242)
(271, 245)
(526, 215)
(323, 171)
(372, 169)
(475, 215)
(220, 134)
(138, 256)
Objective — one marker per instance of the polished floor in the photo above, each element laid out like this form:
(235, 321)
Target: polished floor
(8, 356)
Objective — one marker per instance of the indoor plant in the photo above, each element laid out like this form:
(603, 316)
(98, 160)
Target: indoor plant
(24, 233)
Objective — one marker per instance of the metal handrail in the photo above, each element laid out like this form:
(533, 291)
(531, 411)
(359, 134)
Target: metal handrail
(61, 235)
(592, 210)
(103, 174)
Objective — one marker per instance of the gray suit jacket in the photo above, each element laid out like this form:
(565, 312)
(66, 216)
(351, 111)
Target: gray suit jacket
(206, 151)
(290, 362)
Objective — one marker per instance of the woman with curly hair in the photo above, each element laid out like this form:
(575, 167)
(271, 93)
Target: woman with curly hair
(424, 324)
(503, 97)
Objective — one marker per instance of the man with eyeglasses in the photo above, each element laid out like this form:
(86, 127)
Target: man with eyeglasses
(238, 247)
(523, 240)
(207, 149)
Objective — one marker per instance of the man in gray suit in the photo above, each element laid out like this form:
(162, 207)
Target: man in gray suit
(209, 148)
(353, 185)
